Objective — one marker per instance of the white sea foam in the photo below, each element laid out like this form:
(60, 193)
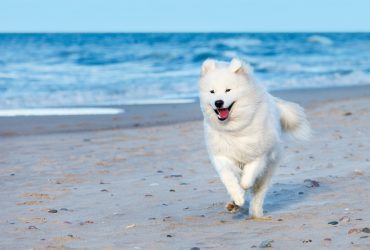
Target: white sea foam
(159, 101)
(59, 111)
(320, 39)
(318, 81)
(240, 42)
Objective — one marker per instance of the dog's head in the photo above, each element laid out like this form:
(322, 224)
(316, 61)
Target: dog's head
(224, 90)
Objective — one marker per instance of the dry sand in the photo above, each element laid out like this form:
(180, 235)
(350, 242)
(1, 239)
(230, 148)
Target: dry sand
(154, 188)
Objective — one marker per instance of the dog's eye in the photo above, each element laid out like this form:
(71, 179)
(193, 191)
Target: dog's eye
(227, 90)
(212, 91)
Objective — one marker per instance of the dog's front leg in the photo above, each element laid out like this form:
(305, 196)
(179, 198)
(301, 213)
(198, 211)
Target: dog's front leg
(251, 171)
(230, 173)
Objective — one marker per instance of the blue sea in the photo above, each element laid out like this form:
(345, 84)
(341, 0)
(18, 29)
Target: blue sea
(64, 70)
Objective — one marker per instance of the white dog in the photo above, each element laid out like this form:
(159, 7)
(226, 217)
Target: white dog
(244, 125)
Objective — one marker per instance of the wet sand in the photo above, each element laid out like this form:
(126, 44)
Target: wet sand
(151, 186)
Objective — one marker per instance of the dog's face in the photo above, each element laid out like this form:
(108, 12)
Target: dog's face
(223, 90)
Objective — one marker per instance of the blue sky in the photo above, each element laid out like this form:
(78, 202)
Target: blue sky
(183, 15)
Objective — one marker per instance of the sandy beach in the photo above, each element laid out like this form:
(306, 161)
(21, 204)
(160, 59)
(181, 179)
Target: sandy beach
(142, 180)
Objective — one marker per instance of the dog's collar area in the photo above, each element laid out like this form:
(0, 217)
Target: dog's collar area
(223, 113)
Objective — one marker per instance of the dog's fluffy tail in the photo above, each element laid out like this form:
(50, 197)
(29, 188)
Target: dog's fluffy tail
(293, 120)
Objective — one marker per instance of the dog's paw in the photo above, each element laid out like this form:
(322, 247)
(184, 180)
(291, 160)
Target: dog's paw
(232, 207)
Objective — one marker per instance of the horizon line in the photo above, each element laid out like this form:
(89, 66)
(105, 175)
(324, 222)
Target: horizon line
(170, 32)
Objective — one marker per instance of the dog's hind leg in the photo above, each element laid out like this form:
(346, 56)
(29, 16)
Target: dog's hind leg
(229, 173)
(259, 191)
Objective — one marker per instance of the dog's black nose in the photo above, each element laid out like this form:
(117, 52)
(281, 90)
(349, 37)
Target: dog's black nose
(219, 103)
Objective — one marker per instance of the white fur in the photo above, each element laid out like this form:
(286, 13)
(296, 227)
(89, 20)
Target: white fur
(246, 147)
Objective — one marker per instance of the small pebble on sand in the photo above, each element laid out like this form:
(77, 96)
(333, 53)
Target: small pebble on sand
(266, 243)
(333, 222)
(354, 231)
(345, 219)
(173, 176)
(311, 183)
(53, 211)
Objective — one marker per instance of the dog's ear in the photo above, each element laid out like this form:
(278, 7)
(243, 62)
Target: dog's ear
(207, 66)
(237, 67)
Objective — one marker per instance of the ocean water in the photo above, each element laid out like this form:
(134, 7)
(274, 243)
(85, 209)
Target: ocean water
(64, 70)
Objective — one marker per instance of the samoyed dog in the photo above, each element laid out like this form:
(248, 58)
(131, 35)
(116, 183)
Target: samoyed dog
(244, 126)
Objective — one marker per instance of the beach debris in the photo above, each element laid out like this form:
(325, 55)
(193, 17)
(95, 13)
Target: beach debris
(280, 219)
(366, 230)
(33, 228)
(345, 219)
(266, 244)
(307, 241)
(347, 113)
(12, 174)
(354, 231)
(68, 222)
(173, 176)
(311, 183)
(365, 236)
(86, 222)
(131, 226)
(52, 211)
(30, 203)
(334, 222)
(168, 235)
(167, 218)
(195, 248)
(148, 195)
(300, 193)
(152, 218)
(104, 190)
(159, 171)
(172, 190)
(327, 240)
(358, 172)
(102, 182)
(184, 183)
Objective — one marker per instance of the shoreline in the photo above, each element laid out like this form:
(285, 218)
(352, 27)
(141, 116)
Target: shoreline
(148, 115)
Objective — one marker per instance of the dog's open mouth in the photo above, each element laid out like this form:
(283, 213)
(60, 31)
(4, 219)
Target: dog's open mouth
(223, 113)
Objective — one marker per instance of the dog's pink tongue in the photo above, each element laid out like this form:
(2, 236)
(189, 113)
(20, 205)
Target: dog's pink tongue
(223, 113)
